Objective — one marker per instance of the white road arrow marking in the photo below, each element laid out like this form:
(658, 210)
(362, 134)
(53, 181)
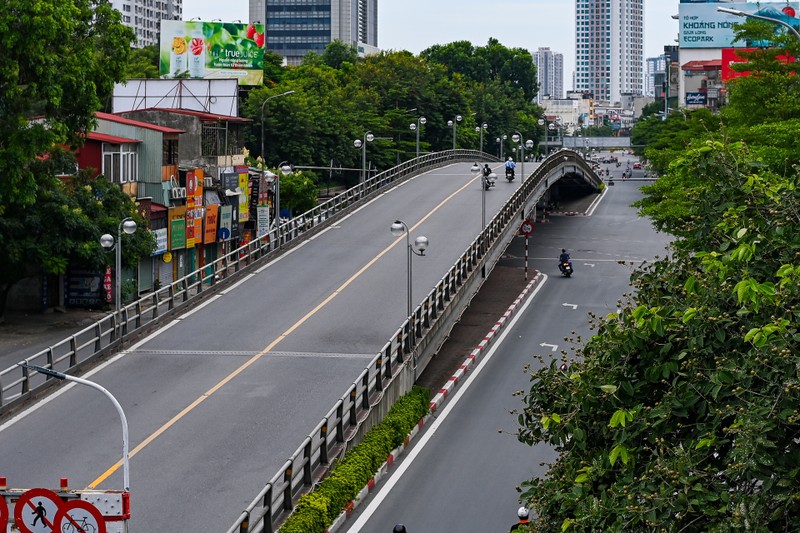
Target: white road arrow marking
(553, 347)
(573, 306)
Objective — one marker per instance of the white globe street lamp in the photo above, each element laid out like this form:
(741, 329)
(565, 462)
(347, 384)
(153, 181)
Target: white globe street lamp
(421, 243)
(127, 225)
(454, 123)
(358, 143)
(416, 127)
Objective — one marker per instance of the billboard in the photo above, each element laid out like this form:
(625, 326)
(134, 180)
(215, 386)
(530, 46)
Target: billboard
(212, 50)
(695, 98)
(702, 26)
(731, 56)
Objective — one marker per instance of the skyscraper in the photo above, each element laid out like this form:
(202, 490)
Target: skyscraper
(144, 16)
(609, 43)
(550, 74)
(296, 27)
(654, 66)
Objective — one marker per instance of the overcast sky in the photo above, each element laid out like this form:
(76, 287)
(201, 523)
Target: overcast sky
(415, 25)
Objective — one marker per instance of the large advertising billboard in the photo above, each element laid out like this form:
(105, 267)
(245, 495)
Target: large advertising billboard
(702, 26)
(212, 50)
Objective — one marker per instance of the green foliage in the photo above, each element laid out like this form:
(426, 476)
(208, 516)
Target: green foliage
(338, 53)
(143, 63)
(298, 192)
(60, 61)
(684, 410)
(318, 509)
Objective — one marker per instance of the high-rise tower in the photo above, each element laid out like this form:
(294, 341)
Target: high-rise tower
(609, 45)
(296, 27)
(549, 73)
(145, 16)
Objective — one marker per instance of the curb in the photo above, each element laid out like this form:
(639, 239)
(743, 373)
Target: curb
(436, 402)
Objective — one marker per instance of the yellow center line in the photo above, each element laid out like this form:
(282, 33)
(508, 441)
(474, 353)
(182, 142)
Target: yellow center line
(116, 466)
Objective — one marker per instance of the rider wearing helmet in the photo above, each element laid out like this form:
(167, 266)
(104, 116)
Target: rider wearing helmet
(522, 513)
(510, 166)
(399, 528)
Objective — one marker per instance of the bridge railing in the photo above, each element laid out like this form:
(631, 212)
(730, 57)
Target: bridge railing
(18, 383)
(393, 370)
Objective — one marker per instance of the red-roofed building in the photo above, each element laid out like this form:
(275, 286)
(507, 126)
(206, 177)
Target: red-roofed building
(703, 85)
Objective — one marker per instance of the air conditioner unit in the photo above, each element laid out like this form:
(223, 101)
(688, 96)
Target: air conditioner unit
(208, 182)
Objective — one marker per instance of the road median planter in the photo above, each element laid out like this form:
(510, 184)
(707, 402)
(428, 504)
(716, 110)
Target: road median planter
(318, 509)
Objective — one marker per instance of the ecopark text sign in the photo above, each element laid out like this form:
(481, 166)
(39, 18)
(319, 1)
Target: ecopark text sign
(702, 26)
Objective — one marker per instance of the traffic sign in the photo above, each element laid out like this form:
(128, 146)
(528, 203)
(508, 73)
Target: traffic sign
(36, 510)
(527, 228)
(78, 516)
(3, 514)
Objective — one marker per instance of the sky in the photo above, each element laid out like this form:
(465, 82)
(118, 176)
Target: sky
(415, 25)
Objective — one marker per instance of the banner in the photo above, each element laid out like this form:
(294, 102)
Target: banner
(702, 26)
(212, 50)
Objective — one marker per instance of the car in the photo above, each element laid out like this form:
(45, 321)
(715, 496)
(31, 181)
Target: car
(637, 166)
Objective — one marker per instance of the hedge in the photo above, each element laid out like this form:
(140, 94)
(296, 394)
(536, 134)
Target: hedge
(318, 509)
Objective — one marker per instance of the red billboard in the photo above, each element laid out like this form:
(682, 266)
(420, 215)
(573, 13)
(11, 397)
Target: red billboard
(730, 56)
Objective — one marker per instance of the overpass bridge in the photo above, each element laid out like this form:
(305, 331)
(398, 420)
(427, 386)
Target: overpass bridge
(197, 368)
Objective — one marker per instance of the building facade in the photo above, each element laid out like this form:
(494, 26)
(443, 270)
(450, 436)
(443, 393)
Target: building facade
(296, 27)
(550, 74)
(145, 16)
(609, 44)
(654, 66)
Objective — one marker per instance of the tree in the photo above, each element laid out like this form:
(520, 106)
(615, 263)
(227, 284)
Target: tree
(298, 192)
(683, 412)
(60, 61)
(63, 227)
(338, 52)
(143, 63)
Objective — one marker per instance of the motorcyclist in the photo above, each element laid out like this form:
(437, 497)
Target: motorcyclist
(522, 513)
(563, 258)
(486, 170)
(510, 166)
(399, 528)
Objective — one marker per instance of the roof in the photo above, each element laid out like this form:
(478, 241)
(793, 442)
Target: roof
(711, 64)
(122, 120)
(202, 115)
(102, 137)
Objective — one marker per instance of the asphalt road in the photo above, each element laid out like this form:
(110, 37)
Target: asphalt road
(221, 396)
(461, 472)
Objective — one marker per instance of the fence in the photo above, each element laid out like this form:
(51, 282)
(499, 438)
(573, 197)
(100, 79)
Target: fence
(394, 369)
(18, 383)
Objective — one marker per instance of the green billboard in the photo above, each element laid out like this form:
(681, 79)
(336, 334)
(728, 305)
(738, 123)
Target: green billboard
(212, 50)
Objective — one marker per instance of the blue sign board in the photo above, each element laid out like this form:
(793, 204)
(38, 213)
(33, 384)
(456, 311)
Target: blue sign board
(696, 98)
(702, 26)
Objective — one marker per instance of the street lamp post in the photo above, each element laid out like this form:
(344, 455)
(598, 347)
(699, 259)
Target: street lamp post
(263, 155)
(491, 178)
(358, 143)
(740, 13)
(285, 169)
(453, 124)
(126, 479)
(416, 127)
(541, 122)
(398, 228)
(480, 129)
(128, 225)
(517, 138)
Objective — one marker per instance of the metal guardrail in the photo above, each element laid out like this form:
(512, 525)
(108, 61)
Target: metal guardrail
(393, 370)
(18, 384)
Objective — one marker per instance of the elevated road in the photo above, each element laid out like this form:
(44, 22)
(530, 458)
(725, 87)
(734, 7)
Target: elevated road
(461, 472)
(218, 398)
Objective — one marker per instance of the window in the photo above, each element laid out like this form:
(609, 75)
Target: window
(120, 163)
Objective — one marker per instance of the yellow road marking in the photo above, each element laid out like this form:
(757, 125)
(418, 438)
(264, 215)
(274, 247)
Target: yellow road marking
(116, 466)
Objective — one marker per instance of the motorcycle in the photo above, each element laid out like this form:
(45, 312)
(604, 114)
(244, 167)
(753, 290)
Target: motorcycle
(509, 174)
(565, 267)
(488, 181)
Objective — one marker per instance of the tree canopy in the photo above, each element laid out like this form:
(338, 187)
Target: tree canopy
(682, 413)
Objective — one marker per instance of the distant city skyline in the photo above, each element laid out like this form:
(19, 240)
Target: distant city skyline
(527, 24)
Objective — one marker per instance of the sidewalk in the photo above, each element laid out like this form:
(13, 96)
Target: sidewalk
(26, 333)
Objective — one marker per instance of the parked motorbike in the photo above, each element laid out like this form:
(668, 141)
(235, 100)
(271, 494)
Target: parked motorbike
(509, 174)
(566, 268)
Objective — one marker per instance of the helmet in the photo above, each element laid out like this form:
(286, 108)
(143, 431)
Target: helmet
(563, 251)
(510, 158)
(399, 528)
(522, 512)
